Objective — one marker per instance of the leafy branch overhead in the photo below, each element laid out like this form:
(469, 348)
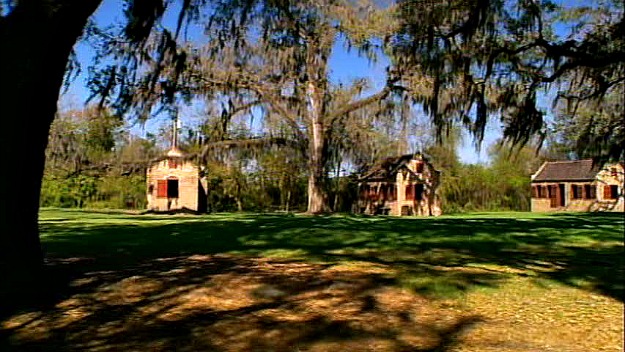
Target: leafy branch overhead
(494, 57)
(462, 60)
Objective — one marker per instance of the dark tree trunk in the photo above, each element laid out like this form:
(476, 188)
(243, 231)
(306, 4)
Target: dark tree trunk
(36, 39)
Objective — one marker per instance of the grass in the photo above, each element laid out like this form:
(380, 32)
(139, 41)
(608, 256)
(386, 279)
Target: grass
(475, 282)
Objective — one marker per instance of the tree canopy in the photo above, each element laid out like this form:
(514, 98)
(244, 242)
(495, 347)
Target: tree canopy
(463, 61)
(491, 57)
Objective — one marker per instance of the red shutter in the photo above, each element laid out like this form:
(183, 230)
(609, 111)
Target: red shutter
(420, 168)
(161, 188)
(391, 193)
(551, 191)
(373, 195)
(578, 192)
(607, 193)
(410, 192)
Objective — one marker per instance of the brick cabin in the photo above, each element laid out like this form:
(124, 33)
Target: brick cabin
(577, 186)
(404, 185)
(174, 183)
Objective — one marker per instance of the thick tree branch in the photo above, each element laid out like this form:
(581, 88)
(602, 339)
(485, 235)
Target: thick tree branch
(282, 110)
(361, 103)
(266, 96)
(250, 143)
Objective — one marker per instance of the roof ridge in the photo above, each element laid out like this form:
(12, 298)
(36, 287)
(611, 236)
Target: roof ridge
(568, 161)
(562, 170)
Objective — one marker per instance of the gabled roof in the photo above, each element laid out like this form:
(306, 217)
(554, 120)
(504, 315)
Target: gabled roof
(174, 153)
(578, 170)
(387, 168)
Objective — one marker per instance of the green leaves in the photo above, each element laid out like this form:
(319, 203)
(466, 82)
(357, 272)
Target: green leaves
(495, 57)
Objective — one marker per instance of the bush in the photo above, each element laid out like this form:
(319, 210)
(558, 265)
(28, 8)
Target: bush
(83, 191)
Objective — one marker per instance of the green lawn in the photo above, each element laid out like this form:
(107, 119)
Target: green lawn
(232, 282)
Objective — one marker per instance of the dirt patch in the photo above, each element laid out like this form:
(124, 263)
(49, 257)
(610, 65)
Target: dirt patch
(231, 303)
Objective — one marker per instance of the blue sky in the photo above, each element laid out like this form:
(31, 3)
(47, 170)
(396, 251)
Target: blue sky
(344, 65)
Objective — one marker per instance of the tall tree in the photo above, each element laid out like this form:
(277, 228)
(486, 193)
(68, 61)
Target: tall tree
(36, 40)
(286, 70)
(464, 45)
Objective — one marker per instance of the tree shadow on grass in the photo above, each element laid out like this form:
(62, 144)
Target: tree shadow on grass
(578, 250)
(232, 303)
(206, 283)
(572, 249)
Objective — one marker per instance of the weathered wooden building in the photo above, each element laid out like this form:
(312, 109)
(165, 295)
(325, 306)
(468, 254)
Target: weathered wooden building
(577, 186)
(404, 185)
(175, 183)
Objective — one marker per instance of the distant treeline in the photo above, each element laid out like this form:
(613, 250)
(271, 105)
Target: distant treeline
(93, 162)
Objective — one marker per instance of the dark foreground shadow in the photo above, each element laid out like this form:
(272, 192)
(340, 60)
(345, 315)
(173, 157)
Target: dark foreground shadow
(231, 303)
(115, 282)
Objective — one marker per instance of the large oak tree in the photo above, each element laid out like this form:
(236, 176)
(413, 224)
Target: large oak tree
(286, 71)
(36, 41)
(470, 49)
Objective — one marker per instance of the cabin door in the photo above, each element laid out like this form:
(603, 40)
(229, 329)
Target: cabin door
(561, 194)
(554, 195)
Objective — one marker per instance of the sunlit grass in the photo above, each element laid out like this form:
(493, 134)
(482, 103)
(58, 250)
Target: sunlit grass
(532, 281)
(527, 243)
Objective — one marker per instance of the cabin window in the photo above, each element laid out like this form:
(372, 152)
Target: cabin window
(576, 191)
(392, 193)
(419, 167)
(172, 163)
(539, 191)
(590, 192)
(364, 190)
(419, 192)
(167, 188)
(610, 192)
(172, 188)
(382, 193)
(614, 172)
(410, 192)
(551, 190)
(151, 188)
(373, 193)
